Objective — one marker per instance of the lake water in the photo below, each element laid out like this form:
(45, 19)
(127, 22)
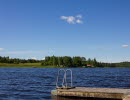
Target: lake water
(37, 83)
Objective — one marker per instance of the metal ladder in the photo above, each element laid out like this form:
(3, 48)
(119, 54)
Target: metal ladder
(64, 81)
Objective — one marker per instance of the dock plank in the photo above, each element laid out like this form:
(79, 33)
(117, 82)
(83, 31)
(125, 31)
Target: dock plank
(112, 93)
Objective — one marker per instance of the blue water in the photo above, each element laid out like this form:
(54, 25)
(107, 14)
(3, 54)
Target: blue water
(37, 83)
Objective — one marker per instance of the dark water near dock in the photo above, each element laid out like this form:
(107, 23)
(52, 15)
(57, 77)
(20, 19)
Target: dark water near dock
(37, 83)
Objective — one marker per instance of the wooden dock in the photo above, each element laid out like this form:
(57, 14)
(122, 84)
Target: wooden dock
(87, 92)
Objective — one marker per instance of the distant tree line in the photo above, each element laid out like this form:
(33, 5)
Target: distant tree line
(123, 64)
(17, 61)
(77, 61)
(65, 61)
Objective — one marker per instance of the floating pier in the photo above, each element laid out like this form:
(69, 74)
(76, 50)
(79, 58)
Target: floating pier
(87, 92)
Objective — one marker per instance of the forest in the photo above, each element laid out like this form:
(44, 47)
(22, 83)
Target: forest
(67, 61)
(17, 60)
(61, 61)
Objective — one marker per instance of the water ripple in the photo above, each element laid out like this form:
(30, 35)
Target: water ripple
(37, 83)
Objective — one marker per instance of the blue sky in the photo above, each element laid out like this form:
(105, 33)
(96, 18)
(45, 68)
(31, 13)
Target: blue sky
(90, 28)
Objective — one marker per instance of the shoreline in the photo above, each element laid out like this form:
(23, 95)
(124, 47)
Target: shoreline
(35, 65)
(38, 65)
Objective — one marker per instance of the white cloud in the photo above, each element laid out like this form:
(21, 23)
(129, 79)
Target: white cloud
(2, 49)
(34, 58)
(73, 19)
(64, 17)
(69, 19)
(79, 21)
(43, 58)
(125, 45)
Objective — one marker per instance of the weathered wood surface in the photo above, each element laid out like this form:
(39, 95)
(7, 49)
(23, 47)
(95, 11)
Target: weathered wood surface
(112, 93)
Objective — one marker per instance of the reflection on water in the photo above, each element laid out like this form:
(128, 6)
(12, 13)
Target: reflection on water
(77, 98)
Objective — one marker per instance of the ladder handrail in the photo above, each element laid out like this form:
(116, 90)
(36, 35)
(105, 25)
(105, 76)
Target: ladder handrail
(64, 78)
(71, 76)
